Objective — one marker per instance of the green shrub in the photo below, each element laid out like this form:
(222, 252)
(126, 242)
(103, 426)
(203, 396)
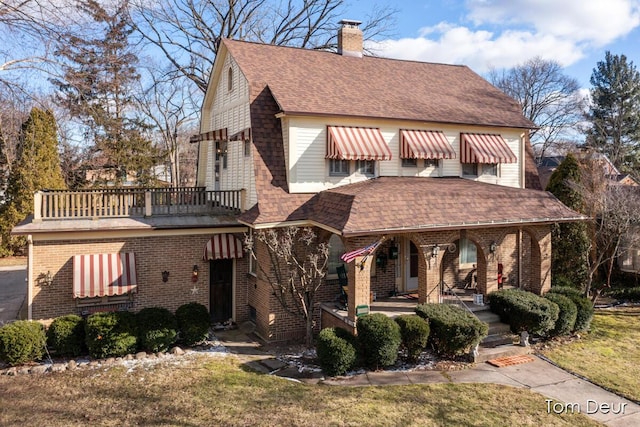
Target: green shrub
(583, 304)
(66, 335)
(567, 316)
(193, 322)
(625, 294)
(524, 311)
(336, 354)
(157, 329)
(454, 331)
(567, 291)
(559, 281)
(111, 334)
(414, 331)
(378, 340)
(22, 341)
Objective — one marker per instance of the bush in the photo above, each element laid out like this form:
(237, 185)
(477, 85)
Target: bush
(414, 331)
(336, 354)
(559, 281)
(567, 316)
(193, 322)
(157, 329)
(584, 306)
(378, 340)
(111, 334)
(66, 335)
(454, 331)
(21, 342)
(524, 311)
(625, 294)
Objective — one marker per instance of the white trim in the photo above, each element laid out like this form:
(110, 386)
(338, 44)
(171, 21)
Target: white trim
(123, 234)
(29, 278)
(299, 223)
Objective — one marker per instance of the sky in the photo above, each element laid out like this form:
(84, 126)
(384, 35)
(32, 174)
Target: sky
(485, 34)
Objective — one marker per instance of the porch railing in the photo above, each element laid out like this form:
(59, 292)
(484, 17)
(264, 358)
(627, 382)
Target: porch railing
(136, 202)
(448, 291)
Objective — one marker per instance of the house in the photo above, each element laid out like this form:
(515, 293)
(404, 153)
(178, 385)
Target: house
(427, 161)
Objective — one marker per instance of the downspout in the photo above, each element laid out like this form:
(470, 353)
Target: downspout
(29, 277)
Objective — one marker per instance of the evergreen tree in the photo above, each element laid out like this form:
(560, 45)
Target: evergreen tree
(615, 112)
(97, 88)
(37, 167)
(570, 241)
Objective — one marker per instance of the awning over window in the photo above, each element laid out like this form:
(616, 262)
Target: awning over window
(425, 144)
(485, 148)
(354, 143)
(243, 135)
(213, 135)
(101, 275)
(222, 246)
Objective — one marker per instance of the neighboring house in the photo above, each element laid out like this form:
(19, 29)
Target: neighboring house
(428, 159)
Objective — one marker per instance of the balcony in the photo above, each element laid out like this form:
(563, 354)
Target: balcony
(136, 203)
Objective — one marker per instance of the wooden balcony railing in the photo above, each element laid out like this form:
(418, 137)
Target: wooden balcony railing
(136, 202)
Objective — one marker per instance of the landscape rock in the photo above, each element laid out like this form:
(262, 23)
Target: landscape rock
(40, 369)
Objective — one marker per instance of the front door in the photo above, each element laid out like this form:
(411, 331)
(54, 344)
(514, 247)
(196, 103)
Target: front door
(221, 290)
(410, 266)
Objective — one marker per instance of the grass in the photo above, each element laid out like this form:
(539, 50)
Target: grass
(608, 355)
(217, 391)
(13, 261)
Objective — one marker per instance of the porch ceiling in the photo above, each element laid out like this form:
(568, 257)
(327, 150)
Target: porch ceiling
(403, 204)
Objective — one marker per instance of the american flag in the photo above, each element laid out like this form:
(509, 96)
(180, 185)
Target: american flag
(350, 256)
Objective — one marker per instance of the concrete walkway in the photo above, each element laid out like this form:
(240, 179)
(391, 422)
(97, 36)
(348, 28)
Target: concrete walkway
(565, 392)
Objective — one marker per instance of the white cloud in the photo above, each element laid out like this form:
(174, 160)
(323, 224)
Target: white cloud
(504, 33)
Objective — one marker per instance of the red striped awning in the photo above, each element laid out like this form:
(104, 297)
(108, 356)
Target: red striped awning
(354, 143)
(243, 135)
(485, 148)
(222, 246)
(425, 144)
(213, 135)
(101, 275)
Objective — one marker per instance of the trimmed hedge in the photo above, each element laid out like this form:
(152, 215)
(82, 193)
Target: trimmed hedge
(583, 304)
(524, 311)
(414, 331)
(111, 334)
(21, 342)
(193, 322)
(336, 353)
(157, 329)
(378, 340)
(625, 294)
(454, 331)
(567, 316)
(66, 335)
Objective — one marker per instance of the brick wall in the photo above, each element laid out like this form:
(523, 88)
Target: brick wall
(176, 254)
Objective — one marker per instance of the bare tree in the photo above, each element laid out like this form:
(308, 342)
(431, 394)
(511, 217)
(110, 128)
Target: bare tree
(548, 98)
(187, 32)
(296, 269)
(614, 210)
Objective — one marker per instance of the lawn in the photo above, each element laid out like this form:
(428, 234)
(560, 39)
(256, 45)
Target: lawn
(217, 391)
(608, 355)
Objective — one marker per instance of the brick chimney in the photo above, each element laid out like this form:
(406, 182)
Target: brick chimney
(350, 38)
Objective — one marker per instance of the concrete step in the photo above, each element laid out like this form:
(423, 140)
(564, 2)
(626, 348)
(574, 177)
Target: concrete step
(499, 328)
(485, 354)
(495, 340)
(487, 316)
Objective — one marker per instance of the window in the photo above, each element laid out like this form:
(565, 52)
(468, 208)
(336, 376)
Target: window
(366, 167)
(224, 160)
(338, 167)
(431, 163)
(230, 79)
(247, 148)
(336, 249)
(468, 253)
(469, 169)
(252, 263)
(409, 163)
(490, 169)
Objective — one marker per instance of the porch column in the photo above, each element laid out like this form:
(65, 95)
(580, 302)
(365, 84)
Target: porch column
(429, 275)
(359, 284)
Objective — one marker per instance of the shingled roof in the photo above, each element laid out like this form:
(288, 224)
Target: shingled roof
(305, 81)
(396, 204)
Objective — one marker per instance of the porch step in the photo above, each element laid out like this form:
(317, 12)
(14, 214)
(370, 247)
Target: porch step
(485, 354)
(493, 320)
(495, 340)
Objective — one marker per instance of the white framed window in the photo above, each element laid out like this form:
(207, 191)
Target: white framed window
(336, 249)
(252, 263)
(247, 148)
(431, 163)
(409, 163)
(469, 169)
(366, 167)
(338, 167)
(468, 253)
(490, 169)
